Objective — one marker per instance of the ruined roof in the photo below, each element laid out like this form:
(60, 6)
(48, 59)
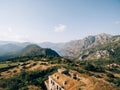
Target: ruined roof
(71, 84)
(62, 70)
(85, 82)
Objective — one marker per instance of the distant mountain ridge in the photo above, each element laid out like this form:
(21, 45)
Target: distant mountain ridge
(11, 47)
(34, 50)
(71, 50)
(55, 46)
(74, 48)
(29, 50)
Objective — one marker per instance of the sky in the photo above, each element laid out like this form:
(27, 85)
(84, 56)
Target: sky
(57, 20)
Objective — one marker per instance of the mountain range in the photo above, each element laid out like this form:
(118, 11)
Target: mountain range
(109, 50)
(74, 48)
(90, 47)
(25, 50)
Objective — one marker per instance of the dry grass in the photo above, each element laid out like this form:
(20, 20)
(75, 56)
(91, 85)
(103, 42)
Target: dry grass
(33, 87)
(85, 83)
(30, 65)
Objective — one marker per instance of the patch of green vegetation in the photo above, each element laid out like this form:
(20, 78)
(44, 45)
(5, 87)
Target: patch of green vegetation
(37, 77)
(116, 81)
(26, 78)
(5, 66)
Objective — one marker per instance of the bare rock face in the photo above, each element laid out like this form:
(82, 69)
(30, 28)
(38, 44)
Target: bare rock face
(102, 53)
(74, 48)
(105, 51)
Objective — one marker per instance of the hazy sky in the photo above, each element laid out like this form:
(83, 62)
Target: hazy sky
(57, 20)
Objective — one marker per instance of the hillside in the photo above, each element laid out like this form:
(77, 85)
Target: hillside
(98, 60)
(29, 50)
(110, 50)
(55, 46)
(29, 73)
(73, 48)
(34, 50)
(70, 50)
(9, 49)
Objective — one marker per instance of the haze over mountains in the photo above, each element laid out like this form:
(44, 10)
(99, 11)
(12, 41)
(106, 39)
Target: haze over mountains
(80, 49)
(74, 48)
(25, 50)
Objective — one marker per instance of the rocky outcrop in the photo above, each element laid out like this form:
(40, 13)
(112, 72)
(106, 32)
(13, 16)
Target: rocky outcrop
(74, 48)
(109, 50)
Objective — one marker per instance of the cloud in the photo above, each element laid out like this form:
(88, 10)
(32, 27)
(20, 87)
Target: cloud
(59, 28)
(117, 22)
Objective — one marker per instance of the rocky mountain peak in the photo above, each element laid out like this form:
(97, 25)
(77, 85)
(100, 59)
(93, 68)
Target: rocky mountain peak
(74, 48)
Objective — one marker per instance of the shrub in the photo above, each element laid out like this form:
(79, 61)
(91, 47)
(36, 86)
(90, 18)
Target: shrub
(110, 75)
(90, 67)
(117, 82)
